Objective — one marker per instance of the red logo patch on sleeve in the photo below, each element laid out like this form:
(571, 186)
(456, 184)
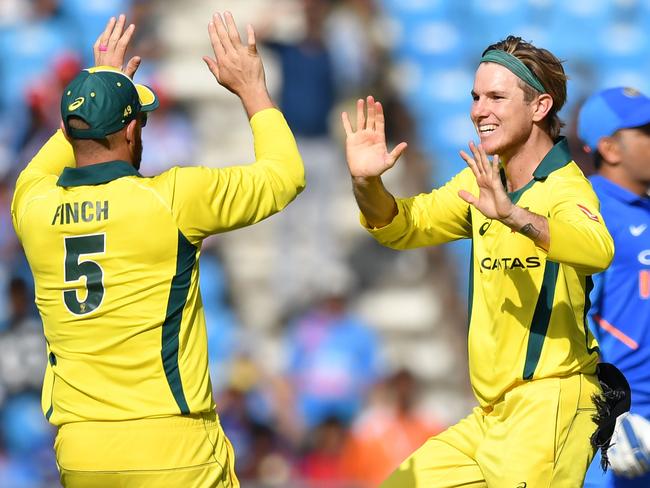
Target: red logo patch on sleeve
(588, 213)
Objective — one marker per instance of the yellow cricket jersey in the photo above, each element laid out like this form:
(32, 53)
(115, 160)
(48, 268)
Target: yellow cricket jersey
(527, 306)
(115, 262)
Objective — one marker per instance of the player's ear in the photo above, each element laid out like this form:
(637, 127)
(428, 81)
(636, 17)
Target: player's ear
(62, 126)
(543, 106)
(130, 132)
(610, 150)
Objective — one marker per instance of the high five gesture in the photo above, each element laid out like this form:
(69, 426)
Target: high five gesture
(365, 148)
(236, 66)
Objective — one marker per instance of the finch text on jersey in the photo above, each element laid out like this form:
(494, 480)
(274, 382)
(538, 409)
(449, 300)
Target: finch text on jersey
(71, 213)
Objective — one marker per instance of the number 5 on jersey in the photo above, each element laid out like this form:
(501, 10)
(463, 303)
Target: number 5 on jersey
(74, 271)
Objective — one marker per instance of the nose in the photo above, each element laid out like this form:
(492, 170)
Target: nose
(479, 109)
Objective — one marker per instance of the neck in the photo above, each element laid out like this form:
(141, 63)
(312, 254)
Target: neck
(88, 158)
(521, 164)
(618, 177)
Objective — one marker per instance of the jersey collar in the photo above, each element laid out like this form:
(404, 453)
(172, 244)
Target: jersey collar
(96, 174)
(558, 157)
(616, 191)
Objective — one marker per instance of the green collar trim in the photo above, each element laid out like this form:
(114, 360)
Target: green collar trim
(558, 157)
(96, 174)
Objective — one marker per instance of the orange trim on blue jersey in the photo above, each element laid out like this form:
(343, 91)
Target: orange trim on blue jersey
(628, 341)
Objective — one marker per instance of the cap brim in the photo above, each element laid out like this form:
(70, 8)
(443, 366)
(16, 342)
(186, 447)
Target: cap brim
(148, 99)
(638, 118)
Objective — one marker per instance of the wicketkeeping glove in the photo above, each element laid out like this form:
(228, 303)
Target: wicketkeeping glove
(629, 453)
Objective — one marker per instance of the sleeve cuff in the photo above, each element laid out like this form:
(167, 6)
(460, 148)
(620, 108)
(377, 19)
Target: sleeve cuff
(390, 232)
(266, 116)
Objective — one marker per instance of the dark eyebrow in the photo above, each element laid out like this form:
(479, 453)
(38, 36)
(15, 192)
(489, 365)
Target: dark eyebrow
(492, 93)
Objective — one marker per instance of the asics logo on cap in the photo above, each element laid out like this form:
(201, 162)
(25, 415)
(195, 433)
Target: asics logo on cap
(76, 104)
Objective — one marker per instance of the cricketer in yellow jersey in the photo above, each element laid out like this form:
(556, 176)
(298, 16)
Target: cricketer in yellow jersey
(115, 262)
(537, 236)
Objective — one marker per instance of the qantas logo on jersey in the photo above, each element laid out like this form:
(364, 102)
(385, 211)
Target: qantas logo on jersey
(72, 213)
(490, 264)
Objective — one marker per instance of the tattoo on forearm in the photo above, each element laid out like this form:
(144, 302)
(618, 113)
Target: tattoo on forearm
(529, 230)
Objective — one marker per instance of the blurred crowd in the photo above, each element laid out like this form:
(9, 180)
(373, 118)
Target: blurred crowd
(335, 410)
(320, 368)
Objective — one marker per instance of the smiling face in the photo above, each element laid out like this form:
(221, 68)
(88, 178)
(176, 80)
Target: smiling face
(501, 116)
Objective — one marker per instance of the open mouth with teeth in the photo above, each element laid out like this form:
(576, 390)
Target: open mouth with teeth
(487, 129)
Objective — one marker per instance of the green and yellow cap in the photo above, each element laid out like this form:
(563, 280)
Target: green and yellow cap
(106, 99)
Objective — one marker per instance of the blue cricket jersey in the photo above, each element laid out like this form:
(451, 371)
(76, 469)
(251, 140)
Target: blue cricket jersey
(620, 312)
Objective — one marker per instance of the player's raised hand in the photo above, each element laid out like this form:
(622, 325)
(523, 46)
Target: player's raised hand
(492, 200)
(237, 66)
(365, 147)
(111, 45)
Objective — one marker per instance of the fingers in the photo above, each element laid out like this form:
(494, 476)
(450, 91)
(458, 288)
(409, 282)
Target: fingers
(495, 165)
(222, 33)
(123, 42)
(370, 121)
(117, 31)
(478, 160)
(252, 46)
(233, 33)
(215, 40)
(470, 162)
(102, 40)
(379, 119)
(346, 124)
(361, 119)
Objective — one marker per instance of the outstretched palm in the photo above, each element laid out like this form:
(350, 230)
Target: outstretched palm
(365, 148)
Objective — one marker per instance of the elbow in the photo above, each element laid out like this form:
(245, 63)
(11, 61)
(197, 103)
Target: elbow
(300, 180)
(604, 257)
(607, 255)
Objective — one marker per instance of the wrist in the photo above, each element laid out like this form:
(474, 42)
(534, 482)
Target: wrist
(366, 181)
(255, 101)
(511, 220)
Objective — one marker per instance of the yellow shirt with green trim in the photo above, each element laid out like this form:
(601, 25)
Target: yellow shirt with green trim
(527, 307)
(115, 263)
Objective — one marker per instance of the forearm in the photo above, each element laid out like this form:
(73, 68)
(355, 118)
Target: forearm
(276, 153)
(376, 203)
(532, 225)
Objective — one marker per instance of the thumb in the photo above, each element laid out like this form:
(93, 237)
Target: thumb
(467, 196)
(212, 66)
(132, 66)
(397, 152)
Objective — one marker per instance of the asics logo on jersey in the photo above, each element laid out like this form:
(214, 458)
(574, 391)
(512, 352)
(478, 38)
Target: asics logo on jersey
(522, 485)
(483, 229)
(76, 104)
(637, 230)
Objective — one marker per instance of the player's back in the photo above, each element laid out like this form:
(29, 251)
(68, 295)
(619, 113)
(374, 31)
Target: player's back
(117, 289)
